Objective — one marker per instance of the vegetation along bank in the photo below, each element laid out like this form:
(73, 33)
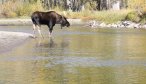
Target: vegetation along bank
(97, 13)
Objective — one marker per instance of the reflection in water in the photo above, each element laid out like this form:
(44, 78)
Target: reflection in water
(50, 43)
(78, 56)
(43, 43)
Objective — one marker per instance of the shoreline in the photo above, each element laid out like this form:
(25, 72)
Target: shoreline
(89, 23)
(25, 22)
(119, 24)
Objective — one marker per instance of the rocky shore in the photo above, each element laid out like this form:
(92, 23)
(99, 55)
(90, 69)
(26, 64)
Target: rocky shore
(91, 23)
(119, 24)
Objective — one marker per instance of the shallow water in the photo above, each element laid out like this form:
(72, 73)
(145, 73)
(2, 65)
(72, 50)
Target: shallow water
(76, 55)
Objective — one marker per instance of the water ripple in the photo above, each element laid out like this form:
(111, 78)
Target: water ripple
(93, 62)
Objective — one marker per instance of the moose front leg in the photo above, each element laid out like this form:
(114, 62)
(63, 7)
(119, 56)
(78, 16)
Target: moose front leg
(50, 26)
(50, 32)
(34, 30)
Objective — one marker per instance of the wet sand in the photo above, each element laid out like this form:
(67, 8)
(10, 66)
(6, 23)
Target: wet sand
(9, 40)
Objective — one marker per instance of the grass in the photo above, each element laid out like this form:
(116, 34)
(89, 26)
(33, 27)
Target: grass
(22, 10)
(109, 16)
(12, 9)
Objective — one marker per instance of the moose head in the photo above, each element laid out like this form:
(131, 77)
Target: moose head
(64, 22)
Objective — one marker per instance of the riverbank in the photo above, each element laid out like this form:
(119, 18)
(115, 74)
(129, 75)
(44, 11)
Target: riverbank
(9, 40)
(16, 22)
(119, 24)
(88, 23)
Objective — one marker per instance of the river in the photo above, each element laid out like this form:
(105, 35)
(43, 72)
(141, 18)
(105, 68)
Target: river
(76, 55)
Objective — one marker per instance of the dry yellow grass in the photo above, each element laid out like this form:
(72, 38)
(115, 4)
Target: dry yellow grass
(106, 16)
(19, 9)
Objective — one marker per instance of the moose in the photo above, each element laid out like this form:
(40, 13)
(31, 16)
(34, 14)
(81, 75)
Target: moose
(47, 18)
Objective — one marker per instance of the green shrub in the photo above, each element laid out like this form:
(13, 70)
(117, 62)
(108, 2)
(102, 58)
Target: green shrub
(109, 16)
(133, 16)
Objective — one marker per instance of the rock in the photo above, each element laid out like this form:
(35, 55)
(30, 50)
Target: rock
(136, 25)
(93, 23)
(102, 24)
(144, 26)
(114, 25)
(109, 25)
(126, 23)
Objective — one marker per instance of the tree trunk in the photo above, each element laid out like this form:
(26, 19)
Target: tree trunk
(50, 4)
(108, 4)
(55, 3)
(98, 3)
(68, 5)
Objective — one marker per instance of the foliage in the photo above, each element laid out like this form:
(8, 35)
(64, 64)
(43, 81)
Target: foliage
(18, 9)
(21, 8)
(133, 16)
(28, 9)
(136, 4)
(109, 16)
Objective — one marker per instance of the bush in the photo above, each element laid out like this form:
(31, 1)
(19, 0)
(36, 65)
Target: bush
(133, 16)
(108, 16)
(7, 9)
(136, 17)
(19, 9)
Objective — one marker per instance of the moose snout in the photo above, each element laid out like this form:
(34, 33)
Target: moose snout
(68, 24)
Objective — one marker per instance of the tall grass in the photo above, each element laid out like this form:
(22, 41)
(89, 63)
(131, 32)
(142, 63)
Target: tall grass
(12, 9)
(109, 16)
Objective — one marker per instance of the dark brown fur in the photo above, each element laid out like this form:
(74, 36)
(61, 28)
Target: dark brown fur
(49, 18)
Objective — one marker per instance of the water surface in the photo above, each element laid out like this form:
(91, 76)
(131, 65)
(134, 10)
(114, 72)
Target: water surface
(76, 55)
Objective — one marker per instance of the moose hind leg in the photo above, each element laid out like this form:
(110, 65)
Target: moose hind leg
(39, 31)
